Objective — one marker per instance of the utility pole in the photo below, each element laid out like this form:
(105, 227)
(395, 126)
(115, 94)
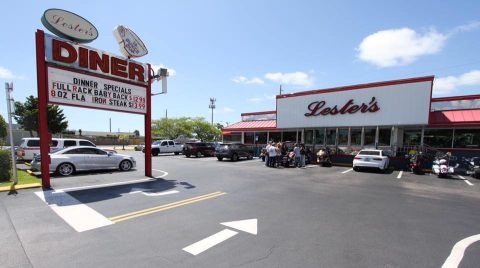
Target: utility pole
(280, 89)
(110, 120)
(166, 114)
(8, 89)
(212, 106)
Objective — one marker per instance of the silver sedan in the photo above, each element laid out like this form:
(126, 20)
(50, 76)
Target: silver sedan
(83, 158)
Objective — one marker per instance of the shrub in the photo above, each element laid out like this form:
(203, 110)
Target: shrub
(5, 165)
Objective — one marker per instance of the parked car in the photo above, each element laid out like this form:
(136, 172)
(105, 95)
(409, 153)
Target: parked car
(198, 149)
(165, 146)
(31, 146)
(82, 158)
(234, 151)
(371, 158)
(139, 147)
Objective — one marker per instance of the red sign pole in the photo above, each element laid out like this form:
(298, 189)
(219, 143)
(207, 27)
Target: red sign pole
(148, 126)
(42, 88)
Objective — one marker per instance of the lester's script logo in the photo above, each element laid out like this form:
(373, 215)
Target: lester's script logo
(318, 108)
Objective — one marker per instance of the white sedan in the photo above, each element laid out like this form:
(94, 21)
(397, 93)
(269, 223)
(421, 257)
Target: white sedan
(82, 158)
(371, 159)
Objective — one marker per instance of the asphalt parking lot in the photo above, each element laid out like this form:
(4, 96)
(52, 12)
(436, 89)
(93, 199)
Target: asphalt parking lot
(282, 217)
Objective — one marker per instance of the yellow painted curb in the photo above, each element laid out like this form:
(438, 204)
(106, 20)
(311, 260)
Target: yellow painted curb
(17, 187)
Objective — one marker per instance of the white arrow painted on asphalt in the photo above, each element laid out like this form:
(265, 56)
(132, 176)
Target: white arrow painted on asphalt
(458, 251)
(155, 194)
(249, 226)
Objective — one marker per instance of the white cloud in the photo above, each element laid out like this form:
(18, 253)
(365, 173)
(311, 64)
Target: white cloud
(466, 27)
(449, 84)
(295, 79)
(228, 110)
(244, 80)
(396, 47)
(255, 99)
(171, 71)
(8, 75)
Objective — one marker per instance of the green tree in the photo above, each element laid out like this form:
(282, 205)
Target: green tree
(188, 127)
(26, 115)
(3, 130)
(136, 133)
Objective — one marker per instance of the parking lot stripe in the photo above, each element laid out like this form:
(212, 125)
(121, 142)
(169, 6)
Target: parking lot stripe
(465, 180)
(147, 211)
(400, 174)
(78, 215)
(210, 241)
(346, 171)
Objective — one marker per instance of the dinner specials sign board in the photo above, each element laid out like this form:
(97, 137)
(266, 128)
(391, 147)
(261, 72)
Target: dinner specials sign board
(75, 89)
(82, 76)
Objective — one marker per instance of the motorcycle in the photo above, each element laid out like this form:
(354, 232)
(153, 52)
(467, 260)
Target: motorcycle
(441, 166)
(323, 157)
(288, 160)
(466, 166)
(417, 164)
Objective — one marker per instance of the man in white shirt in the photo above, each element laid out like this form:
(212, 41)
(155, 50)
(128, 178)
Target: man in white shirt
(272, 155)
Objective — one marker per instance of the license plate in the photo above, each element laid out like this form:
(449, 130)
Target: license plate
(367, 159)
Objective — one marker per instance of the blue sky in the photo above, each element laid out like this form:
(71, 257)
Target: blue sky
(241, 51)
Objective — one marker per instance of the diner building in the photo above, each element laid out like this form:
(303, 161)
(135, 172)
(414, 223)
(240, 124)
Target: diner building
(392, 115)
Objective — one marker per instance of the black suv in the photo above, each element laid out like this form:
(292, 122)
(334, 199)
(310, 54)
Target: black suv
(198, 149)
(234, 151)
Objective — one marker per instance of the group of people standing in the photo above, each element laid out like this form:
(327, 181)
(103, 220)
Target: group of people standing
(275, 152)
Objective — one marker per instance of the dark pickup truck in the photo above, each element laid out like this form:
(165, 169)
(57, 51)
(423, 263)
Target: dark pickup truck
(234, 151)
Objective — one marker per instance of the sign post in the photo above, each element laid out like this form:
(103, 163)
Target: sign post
(8, 89)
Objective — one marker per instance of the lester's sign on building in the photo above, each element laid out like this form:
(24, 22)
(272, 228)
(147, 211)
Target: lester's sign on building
(400, 102)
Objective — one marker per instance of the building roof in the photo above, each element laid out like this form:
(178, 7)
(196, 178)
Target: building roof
(455, 118)
(260, 125)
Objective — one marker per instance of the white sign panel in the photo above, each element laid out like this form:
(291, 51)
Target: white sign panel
(401, 103)
(130, 44)
(75, 89)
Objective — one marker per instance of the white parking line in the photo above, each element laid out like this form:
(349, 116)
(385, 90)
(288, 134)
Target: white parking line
(400, 174)
(465, 180)
(78, 215)
(458, 251)
(346, 171)
(102, 185)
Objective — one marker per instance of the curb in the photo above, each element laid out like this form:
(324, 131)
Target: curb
(18, 187)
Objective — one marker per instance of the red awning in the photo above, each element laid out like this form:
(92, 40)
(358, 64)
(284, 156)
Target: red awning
(455, 118)
(259, 125)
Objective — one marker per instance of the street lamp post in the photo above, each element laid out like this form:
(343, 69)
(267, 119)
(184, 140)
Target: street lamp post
(212, 106)
(8, 89)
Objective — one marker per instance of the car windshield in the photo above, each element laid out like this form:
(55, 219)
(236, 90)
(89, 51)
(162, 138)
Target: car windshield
(369, 153)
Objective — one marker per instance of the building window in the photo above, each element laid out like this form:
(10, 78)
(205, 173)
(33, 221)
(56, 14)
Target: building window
(384, 135)
(290, 136)
(369, 137)
(234, 137)
(438, 138)
(319, 136)
(356, 136)
(261, 137)
(248, 137)
(275, 136)
(308, 136)
(412, 137)
(343, 136)
(467, 138)
(331, 136)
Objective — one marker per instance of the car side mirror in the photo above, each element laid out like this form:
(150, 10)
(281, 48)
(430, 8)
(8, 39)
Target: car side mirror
(109, 153)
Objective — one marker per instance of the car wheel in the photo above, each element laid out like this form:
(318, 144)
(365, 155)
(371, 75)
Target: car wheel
(176, 153)
(234, 157)
(187, 155)
(356, 168)
(125, 165)
(154, 153)
(199, 154)
(65, 169)
(220, 158)
(249, 157)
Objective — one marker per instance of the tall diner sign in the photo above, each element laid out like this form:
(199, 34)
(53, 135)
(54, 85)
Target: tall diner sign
(69, 73)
